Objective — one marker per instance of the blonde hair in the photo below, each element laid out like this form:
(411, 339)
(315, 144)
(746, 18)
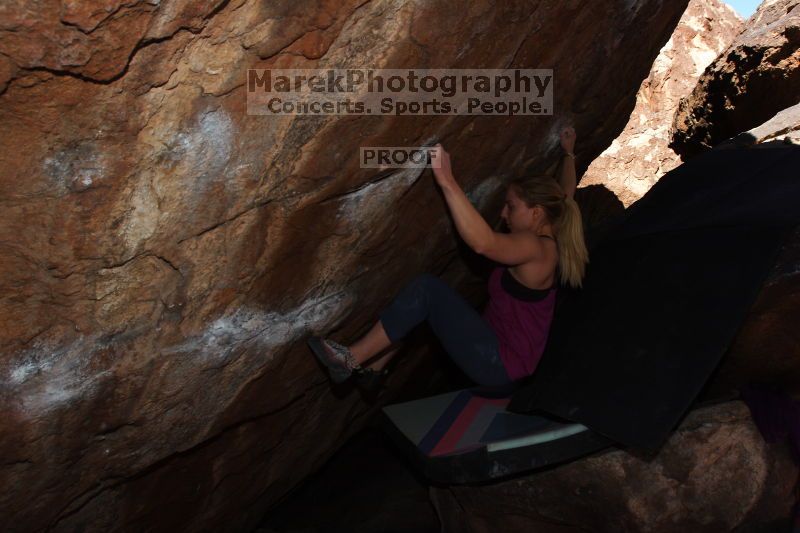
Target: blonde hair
(565, 216)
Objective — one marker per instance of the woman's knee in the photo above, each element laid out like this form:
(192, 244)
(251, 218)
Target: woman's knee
(425, 281)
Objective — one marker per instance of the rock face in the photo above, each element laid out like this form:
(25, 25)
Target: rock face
(641, 154)
(165, 254)
(784, 127)
(757, 76)
(714, 474)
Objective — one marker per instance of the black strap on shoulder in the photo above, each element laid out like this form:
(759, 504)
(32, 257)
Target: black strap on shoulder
(520, 291)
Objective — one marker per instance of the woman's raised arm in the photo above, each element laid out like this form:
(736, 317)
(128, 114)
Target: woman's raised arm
(471, 226)
(569, 177)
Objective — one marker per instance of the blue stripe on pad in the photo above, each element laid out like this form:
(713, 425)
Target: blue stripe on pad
(444, 422)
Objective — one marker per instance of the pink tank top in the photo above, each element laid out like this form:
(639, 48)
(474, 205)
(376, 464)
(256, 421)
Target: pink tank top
(520, 317)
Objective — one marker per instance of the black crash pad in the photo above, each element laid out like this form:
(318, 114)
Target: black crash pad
(665, 293)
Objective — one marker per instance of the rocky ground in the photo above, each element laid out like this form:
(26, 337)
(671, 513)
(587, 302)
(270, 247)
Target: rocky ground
(366, 487)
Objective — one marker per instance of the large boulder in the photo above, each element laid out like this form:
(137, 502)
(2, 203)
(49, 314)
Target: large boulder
(756, 77)
(640, 155)
(164, 254)
(714, 474)
(783, 127)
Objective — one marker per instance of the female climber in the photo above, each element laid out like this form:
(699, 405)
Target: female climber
(544, 246)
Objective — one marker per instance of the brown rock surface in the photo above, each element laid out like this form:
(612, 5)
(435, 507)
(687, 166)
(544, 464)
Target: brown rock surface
(641, 154)
(714, 474)
(757, 76)
(163, 255)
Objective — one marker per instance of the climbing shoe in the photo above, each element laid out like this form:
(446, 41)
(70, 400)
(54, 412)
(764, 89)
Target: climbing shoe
(370, 380)
(337, 358)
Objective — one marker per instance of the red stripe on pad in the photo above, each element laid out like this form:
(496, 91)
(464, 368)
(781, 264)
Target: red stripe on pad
(448, 442)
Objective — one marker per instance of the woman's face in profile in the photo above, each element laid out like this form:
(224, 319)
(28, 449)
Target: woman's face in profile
(516, 215)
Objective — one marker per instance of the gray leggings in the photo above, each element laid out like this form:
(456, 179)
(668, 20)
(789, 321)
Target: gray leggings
(467, 338)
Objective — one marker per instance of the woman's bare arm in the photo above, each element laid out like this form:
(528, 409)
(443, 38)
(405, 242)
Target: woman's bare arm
(476, 232)
(470, 224)
(569, 177)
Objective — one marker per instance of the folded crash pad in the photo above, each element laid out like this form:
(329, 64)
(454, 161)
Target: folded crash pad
(665, 294)
(468, 436)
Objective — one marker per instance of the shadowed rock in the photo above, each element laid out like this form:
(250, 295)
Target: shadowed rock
(164, 254)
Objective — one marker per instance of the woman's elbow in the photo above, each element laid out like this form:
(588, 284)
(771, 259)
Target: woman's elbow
(483, 247)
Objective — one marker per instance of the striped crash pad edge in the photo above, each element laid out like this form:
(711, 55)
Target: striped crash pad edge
(467, 436)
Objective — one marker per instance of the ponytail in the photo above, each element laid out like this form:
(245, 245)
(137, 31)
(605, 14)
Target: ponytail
(572, 251)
